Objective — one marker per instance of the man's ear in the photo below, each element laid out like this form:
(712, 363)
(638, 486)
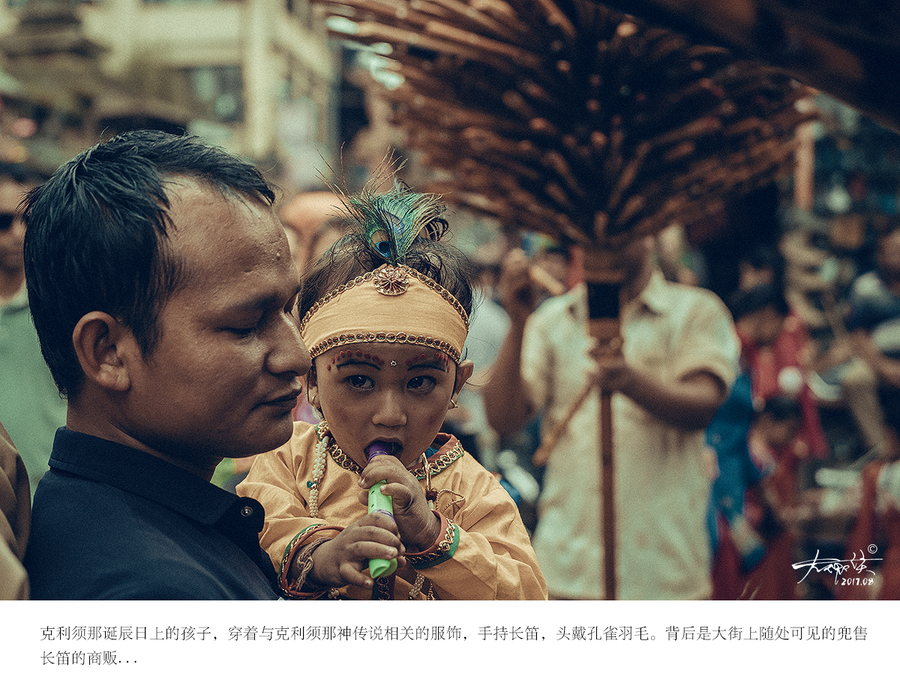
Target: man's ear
(103, 346)
(463, 372)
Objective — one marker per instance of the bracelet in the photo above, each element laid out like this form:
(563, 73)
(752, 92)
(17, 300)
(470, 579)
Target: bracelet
(441, 550)
(291, 589)
(304, 560)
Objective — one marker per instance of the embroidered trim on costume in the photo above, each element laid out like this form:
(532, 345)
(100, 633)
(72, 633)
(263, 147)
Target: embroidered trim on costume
(445, 549)
(435, 466)
(360, 279)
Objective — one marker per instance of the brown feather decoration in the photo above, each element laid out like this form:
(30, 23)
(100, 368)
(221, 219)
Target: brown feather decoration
(569, 118)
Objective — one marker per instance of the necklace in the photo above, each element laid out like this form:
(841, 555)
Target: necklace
(324, 448)
(317, 474)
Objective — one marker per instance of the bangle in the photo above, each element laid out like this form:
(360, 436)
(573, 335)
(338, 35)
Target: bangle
(304, 560)
(441, 550)
(291, 589)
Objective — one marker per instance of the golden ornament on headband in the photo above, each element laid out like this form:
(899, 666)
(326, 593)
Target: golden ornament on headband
(391, 281)
(392, 304)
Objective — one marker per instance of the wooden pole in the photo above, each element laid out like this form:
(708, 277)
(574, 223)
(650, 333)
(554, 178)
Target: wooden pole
(604, 285)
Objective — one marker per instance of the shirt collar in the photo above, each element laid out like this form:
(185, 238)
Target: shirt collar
(145, 475)
(654, 297)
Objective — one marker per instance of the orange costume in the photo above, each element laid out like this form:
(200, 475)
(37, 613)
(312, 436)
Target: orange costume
(483, 552)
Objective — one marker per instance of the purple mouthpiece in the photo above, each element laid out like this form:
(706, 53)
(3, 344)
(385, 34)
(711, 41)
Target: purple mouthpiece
(377, 448)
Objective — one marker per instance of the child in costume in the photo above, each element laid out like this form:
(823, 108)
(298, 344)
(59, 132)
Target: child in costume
(385, 316)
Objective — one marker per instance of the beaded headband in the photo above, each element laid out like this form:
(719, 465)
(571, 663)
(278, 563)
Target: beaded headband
(366, 310)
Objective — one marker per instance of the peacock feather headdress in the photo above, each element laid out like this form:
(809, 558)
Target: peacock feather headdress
(394, 303)
(389, 221)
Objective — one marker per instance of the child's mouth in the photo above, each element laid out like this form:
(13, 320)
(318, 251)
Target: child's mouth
(383, 448)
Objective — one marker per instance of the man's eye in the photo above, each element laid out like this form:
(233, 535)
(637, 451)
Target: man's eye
(243, 331)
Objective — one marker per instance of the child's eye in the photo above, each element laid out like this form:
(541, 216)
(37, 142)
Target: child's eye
(360, 382)
(422, 384)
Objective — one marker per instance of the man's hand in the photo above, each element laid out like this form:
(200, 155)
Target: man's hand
(611, 372)
(518, 294)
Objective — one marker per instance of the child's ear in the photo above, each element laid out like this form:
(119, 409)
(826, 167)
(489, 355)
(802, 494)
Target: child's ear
(104, 347)
(464, 371)
(312, 387)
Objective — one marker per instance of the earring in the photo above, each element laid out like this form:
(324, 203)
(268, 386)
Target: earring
(453, 403)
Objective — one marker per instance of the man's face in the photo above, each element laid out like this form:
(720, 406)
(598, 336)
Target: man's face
(226, 372)
(12, 229)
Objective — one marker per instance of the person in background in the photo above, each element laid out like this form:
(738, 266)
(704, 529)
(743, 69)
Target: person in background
(313, 223)
(30, 403)
(775, 350)
(772, 505)
(164, 296)
(871, 380)
(736, 545)
(15, 520)
(680, 356)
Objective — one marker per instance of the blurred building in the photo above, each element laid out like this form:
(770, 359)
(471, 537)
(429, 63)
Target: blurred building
(255, 76)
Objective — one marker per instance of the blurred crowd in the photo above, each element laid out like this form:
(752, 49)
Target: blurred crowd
(804, 450)
(757, 384)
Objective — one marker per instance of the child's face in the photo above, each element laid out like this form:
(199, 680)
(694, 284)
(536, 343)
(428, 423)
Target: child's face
(398, 393)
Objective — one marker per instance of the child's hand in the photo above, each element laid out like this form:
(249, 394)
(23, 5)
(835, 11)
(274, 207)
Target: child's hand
(341, 560)
(417, 524)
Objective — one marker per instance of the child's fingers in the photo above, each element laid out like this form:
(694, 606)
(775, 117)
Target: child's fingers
(359, 554)
(374, 528)
(383, 468)
(400, 493)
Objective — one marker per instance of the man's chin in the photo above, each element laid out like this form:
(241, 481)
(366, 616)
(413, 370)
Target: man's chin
(277, 435)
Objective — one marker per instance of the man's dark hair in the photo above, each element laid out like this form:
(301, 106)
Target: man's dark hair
(97, 237)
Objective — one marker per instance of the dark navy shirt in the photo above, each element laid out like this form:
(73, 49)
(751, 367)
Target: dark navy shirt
(112, 522)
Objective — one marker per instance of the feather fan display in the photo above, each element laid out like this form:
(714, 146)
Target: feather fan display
(571, 119)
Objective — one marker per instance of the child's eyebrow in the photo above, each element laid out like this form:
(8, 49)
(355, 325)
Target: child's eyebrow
(437, 361)
(344, 358)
